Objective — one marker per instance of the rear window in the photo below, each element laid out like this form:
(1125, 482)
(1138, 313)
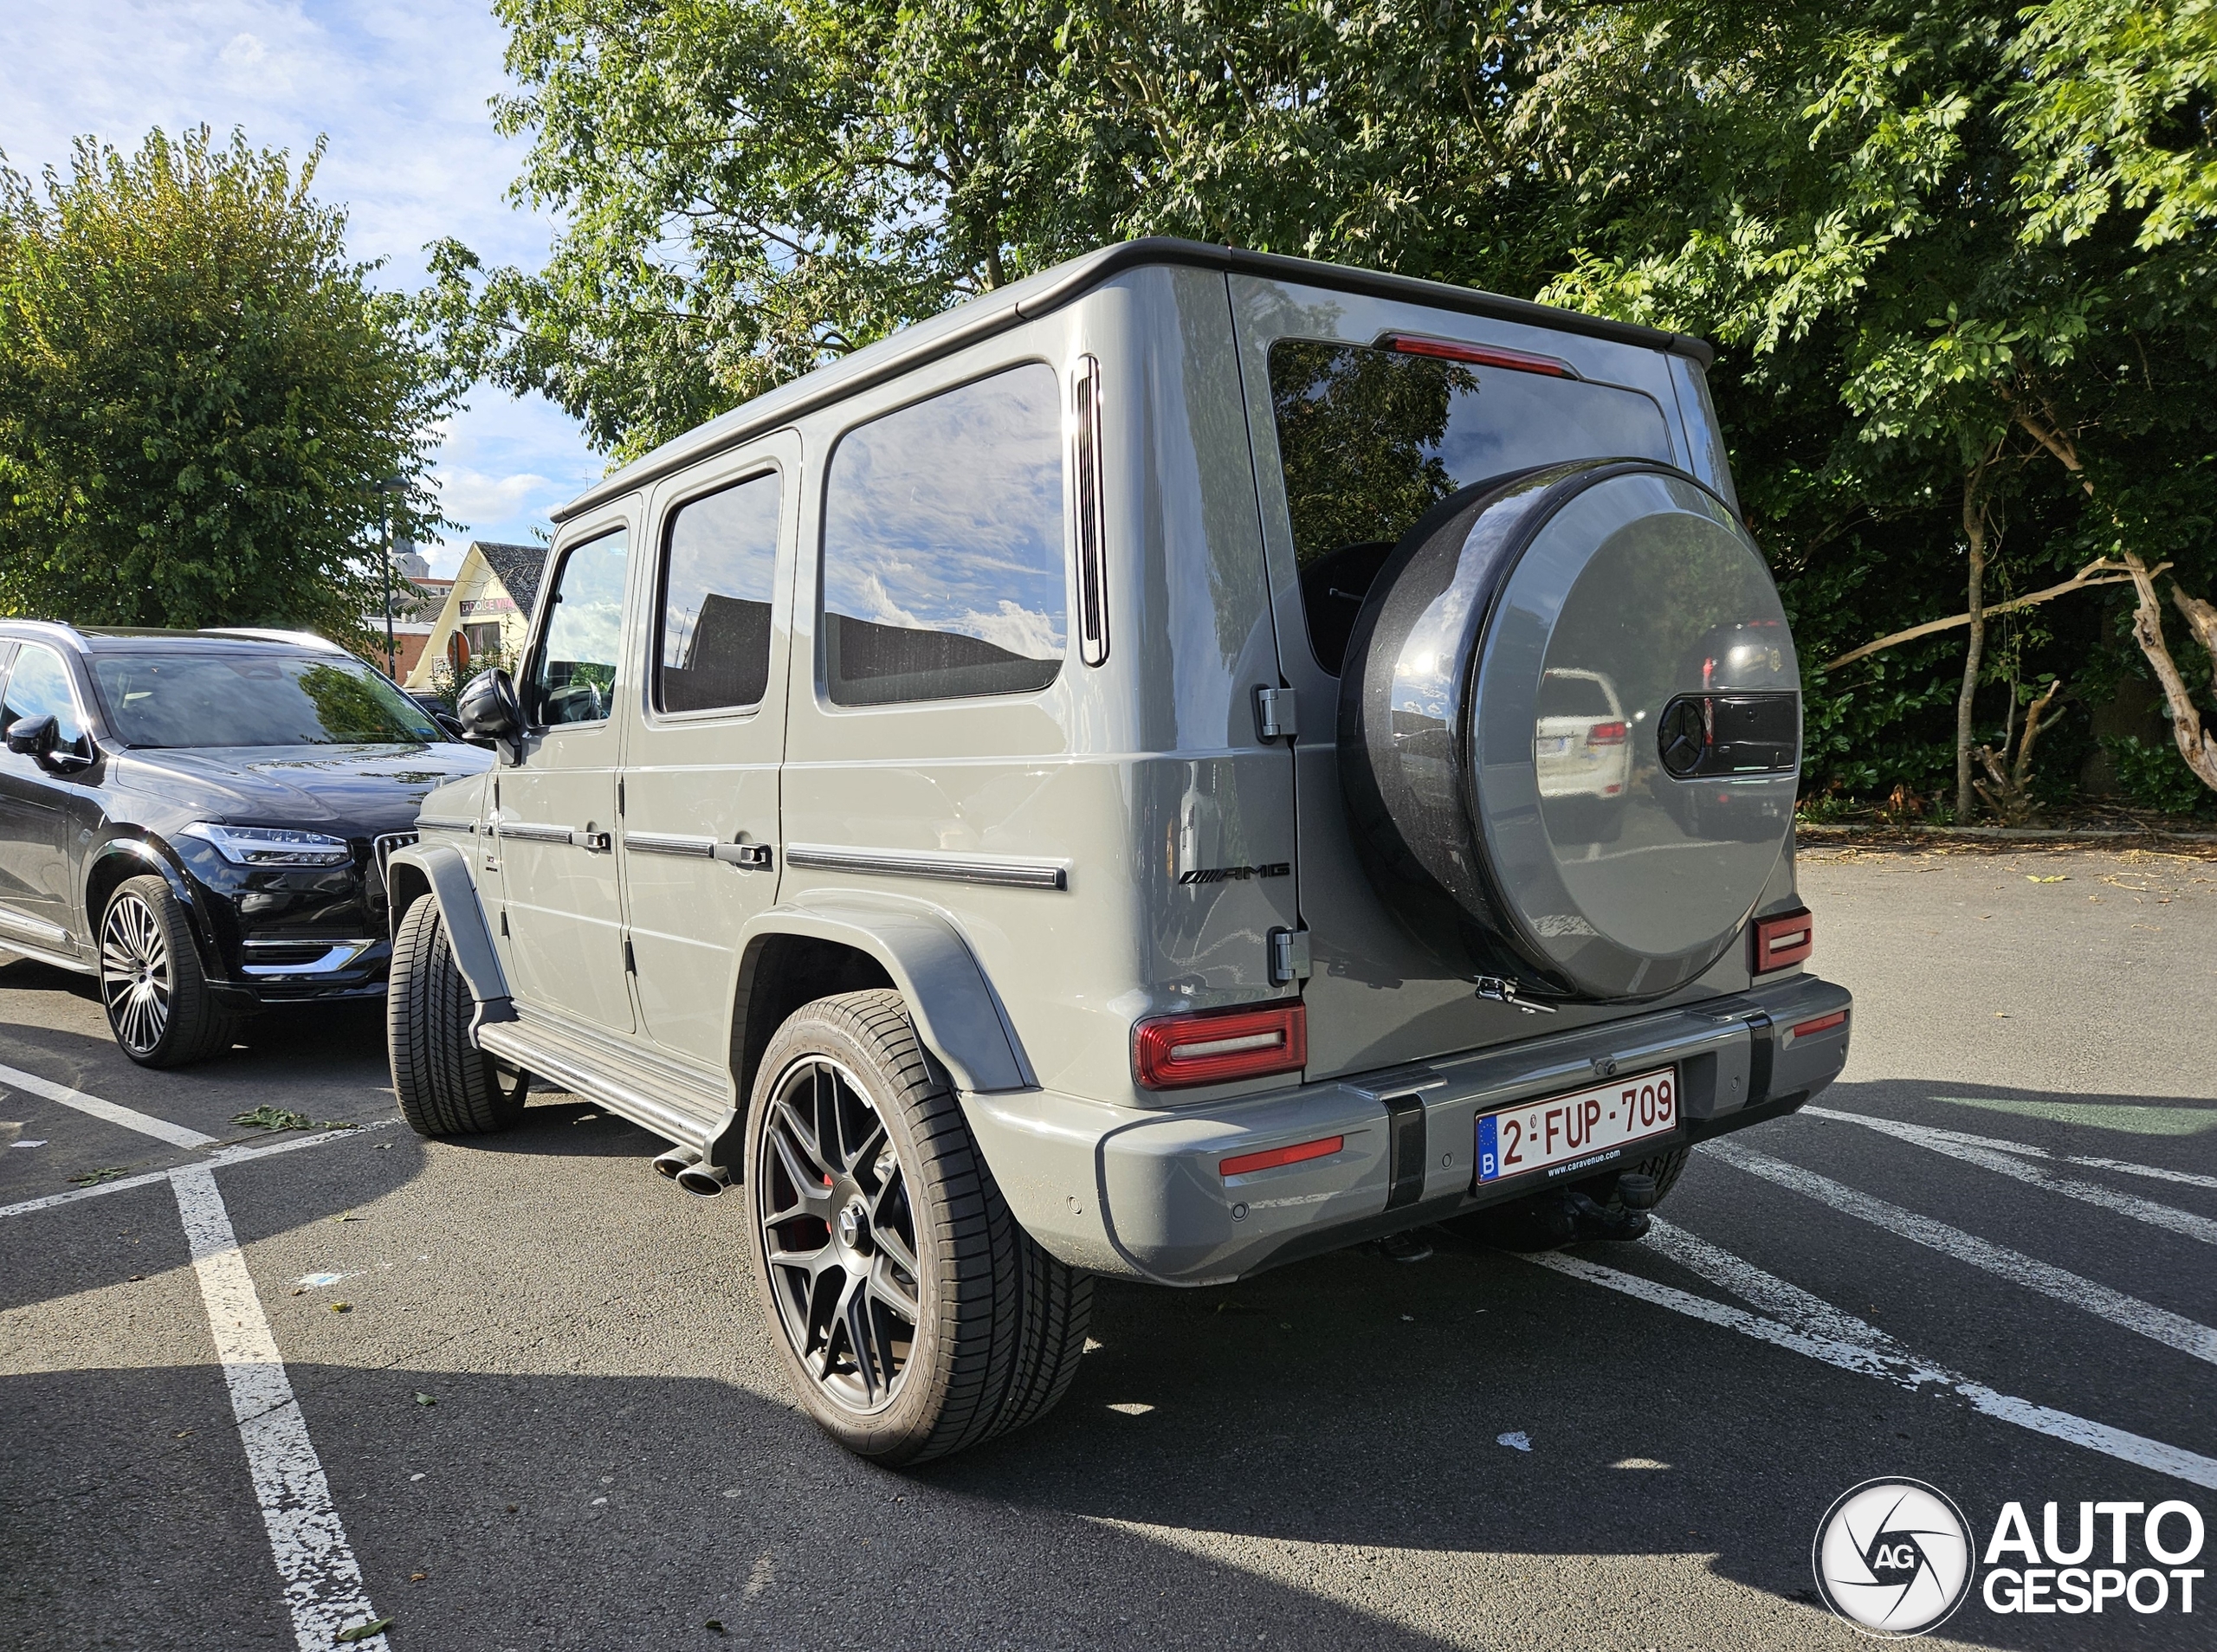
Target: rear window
(208, 699)
(1564, 694)
(1370, 439)
(943, 565)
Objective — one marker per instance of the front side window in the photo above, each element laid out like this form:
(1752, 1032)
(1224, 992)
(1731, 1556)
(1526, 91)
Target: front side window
(943, 565)
(573, 673)
(39, 687)
(719, 561)
(179, 698)
(1370, 439)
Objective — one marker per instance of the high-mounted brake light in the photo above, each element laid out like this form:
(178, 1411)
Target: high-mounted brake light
(1822, 1023)
(1607, 733)
(1215, 1046)
(1788, 939)
(1522, 361)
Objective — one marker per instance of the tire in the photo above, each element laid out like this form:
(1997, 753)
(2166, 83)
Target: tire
(876, 1226)
(445, 1084)
(159, 1003)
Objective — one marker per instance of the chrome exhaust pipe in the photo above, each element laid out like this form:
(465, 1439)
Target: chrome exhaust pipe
(672, 1164)
(705, 1180)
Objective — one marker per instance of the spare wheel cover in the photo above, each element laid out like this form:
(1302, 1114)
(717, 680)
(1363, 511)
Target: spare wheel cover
(1570, 729)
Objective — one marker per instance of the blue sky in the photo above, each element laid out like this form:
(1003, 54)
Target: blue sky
(400, 86)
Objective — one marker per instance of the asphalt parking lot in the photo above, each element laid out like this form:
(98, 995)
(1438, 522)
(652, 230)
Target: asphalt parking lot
(548, 1416)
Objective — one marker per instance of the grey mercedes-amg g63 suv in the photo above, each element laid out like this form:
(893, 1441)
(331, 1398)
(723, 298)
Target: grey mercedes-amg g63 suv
(1185, 762)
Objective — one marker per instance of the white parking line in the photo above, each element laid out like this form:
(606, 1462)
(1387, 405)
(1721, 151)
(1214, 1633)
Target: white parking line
(2026, 1149)
(2161, 1324)
(323, 1581)
(1999, 1157)
(215, 1161)
(1839, 1338)
(129, 1118)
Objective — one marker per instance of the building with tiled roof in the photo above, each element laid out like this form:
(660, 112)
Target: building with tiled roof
(486, 614)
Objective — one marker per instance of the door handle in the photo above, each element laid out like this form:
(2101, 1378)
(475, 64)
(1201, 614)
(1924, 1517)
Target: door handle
(599, 842)
(755, 857)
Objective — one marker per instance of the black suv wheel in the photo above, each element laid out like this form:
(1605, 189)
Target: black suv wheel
(159, 1005)
(915, 1318)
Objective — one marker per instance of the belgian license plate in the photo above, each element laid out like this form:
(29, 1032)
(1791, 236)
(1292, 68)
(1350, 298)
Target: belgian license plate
(1584, 1127)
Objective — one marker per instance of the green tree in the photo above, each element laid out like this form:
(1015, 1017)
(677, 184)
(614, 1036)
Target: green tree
(199, 396)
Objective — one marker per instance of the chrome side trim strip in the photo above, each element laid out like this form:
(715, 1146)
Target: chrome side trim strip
(1012, 874)
(529, 832)
(59, 961)
(670, 843)
(23, 924)
(445, 823)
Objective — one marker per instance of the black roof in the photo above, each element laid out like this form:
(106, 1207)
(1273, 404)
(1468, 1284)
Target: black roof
(519, 568)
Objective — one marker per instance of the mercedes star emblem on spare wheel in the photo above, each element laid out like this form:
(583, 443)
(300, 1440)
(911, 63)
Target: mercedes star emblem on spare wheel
(1682, 736)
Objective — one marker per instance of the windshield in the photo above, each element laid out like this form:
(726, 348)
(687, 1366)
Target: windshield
(210, 699)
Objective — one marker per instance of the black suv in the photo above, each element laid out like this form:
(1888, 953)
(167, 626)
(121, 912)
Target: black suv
(201, 819)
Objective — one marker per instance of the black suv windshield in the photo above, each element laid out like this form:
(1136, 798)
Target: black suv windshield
(208, 697)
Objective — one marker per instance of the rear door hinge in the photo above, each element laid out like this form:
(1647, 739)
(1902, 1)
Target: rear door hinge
(630, 963)
(1289, 955)
(1277, 715)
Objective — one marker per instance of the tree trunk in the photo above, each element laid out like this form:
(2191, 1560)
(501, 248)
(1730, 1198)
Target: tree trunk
(1974, 534)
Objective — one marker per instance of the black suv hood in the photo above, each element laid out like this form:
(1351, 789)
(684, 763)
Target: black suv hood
(346, 789)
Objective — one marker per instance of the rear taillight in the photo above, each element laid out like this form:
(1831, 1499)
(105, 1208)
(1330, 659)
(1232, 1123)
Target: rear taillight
(1522, 361)
(1240, 1163)
(1788, 939)
(1216, 1046)
(1607, 733)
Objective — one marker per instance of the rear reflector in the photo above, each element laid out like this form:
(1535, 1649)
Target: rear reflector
(1216, 1046)
(1607, 733)
(1522, 361)
(1822, 1023)
(1787, 938)
(1276, 1156)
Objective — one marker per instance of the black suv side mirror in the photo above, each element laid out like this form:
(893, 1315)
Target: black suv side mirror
(488, 710)
(33, 737)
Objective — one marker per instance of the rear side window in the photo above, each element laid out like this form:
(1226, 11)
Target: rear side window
(573, 678)
(718, 564)
(943, 565)
(1370, 439)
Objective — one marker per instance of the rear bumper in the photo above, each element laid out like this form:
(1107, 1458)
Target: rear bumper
(1139, 1194)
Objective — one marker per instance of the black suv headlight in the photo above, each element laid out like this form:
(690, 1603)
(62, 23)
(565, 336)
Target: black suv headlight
(270, 845)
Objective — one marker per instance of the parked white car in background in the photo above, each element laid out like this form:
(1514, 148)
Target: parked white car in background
(1581, 745)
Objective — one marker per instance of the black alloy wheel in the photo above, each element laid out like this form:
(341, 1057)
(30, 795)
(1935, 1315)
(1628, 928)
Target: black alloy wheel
(914, 1315)
(838, 1235)
(156, 998)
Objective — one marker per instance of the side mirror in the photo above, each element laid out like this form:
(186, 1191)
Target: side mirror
(33, 737)
(488, 710)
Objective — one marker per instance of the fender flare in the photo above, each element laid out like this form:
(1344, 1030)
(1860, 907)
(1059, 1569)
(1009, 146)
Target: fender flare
(958, 1015)
(441, 871)
(147, 854)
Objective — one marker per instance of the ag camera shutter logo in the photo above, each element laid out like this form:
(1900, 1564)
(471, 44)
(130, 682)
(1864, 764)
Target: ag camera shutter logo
(1893, 1557)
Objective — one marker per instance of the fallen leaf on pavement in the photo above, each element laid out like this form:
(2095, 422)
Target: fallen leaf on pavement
(425, 1400)
(364, 1631)
(340, 1307)
(93, 1178)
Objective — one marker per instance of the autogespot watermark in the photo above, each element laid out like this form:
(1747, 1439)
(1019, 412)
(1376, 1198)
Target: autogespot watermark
(1895, 1558)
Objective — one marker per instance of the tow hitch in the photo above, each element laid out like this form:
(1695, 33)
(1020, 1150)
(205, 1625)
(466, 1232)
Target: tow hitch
(1570, 1216)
